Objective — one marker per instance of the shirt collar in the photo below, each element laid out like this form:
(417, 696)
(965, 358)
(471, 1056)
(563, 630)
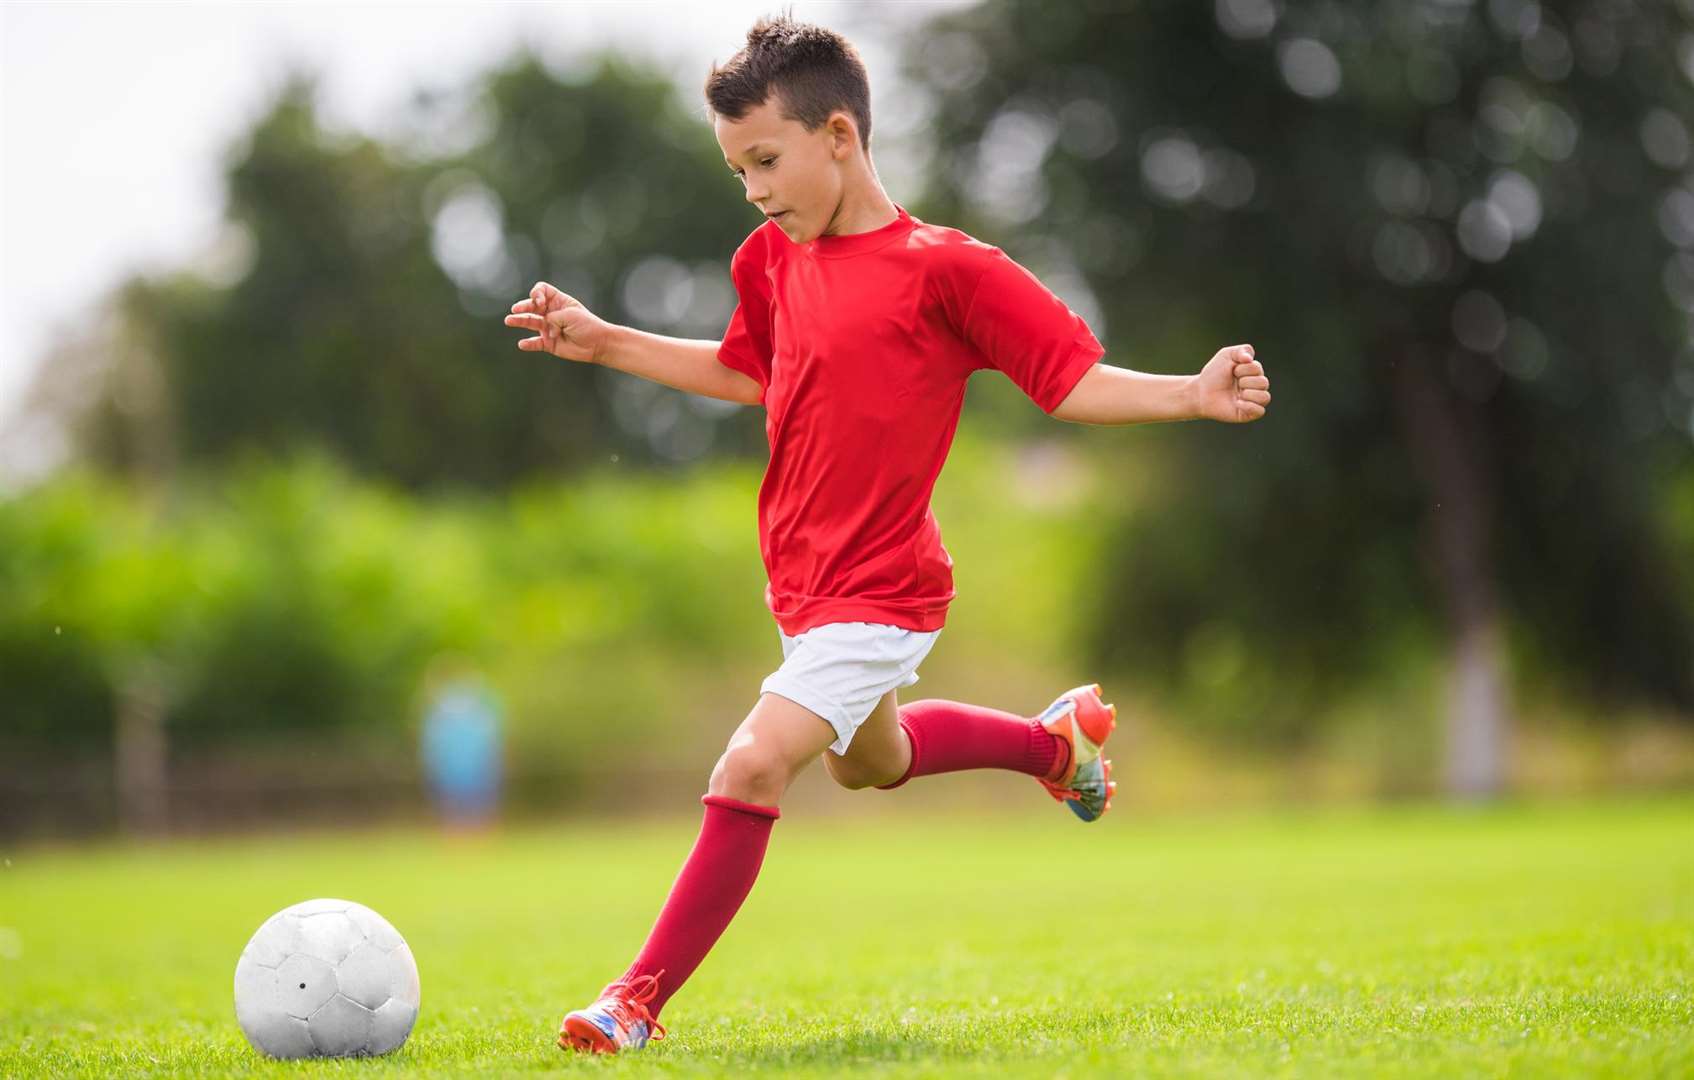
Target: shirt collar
(835, 247)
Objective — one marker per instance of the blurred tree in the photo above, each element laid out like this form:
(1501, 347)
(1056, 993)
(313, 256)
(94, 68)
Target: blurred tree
(1458, 235)
(369, 282)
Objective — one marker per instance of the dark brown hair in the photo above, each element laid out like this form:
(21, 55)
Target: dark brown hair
(813, 71)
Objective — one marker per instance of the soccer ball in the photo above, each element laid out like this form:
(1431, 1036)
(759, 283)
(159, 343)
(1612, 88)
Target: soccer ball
(326, 978)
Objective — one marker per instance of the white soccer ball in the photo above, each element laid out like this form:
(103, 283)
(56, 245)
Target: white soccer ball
(326, 978)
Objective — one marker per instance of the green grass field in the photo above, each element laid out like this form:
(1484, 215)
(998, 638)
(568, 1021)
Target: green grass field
(1546, 940)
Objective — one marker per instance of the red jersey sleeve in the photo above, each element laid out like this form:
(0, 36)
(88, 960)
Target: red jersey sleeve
(1021, 328)
(747, 343)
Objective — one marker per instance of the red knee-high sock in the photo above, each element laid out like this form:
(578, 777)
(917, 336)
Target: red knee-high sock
(948, 736)
(714, 880)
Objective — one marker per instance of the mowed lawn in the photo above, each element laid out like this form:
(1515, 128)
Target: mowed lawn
(1412, 941)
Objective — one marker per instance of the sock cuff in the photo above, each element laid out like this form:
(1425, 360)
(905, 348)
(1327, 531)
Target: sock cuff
(1043, 743)
(741, 807)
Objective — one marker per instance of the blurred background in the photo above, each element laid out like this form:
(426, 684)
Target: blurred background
(289, 526)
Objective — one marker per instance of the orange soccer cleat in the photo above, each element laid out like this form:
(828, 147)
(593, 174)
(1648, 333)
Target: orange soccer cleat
(1084, 781)
(618, 1021)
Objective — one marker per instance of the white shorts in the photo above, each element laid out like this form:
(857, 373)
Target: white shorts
(841, 670)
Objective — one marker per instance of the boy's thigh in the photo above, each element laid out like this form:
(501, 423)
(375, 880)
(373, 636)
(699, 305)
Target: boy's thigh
(878, 744)
(847, 673)
(876, 735)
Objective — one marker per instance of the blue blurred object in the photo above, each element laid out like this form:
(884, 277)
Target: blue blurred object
(461, 751)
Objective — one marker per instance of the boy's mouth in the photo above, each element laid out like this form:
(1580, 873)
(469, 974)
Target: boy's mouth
(778, 216)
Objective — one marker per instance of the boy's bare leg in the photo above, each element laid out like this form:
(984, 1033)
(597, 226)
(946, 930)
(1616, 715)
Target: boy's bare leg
(1061, 747)
(773, 745)
(879, 753)
(775, 742)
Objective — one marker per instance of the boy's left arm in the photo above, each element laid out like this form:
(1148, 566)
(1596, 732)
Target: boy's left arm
(1232, 388)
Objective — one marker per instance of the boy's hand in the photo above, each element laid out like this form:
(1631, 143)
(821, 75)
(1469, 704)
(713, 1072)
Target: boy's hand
(562, 326)
(1232, 387)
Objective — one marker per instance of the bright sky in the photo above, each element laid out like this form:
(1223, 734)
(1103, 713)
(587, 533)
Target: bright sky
(113, 116)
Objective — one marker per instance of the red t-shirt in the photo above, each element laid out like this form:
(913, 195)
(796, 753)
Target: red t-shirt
(861, 346)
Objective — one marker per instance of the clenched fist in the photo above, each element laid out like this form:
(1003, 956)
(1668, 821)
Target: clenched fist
(1232, 387)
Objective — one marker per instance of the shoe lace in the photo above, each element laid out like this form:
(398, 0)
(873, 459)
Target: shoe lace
(630, 997)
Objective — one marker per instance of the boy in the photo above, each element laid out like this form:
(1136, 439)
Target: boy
(856, 328)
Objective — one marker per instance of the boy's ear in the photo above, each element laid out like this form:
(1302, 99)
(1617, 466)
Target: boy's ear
(843, 135)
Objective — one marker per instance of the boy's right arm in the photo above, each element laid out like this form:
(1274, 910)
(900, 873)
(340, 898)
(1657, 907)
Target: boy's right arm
(570, 331)
(686, 364)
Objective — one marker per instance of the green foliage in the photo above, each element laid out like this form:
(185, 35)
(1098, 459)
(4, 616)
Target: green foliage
(368, 323)
(297, 599)
(291, 598)
(1459, 428)
(1547, 940)
(1456, 235)
(55, 688)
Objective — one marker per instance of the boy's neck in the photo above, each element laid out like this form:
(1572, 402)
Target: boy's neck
(864, 208)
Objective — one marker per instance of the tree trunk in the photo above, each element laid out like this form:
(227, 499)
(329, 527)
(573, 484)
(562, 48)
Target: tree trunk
(1442, 435)
(1477, 712)
(141, 754)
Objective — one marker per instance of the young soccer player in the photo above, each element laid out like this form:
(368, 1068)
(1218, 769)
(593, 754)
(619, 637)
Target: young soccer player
(857, 328)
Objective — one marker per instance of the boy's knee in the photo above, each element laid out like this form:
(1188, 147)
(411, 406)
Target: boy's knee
(750, 774)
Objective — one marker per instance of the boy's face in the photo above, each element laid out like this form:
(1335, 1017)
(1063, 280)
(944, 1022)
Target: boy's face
(794, 174)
